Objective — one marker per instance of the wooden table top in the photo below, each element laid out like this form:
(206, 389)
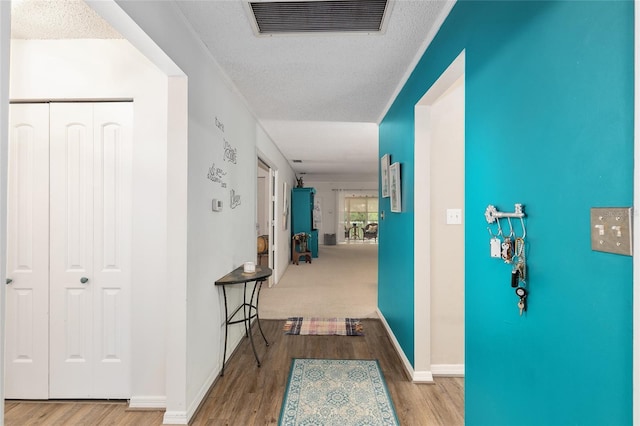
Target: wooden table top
(238, 276)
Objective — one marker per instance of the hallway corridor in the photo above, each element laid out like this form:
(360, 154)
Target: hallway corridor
(341, 282)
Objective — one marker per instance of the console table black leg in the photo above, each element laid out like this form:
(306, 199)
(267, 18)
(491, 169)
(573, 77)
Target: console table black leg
(247, 324)
(226, 326)
(258, 314)
(247, 321)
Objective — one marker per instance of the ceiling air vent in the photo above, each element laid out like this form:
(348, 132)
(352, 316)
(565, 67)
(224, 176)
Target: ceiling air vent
(319, 16)
(297, 161)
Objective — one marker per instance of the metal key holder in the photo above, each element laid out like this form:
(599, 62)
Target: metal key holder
(492, 214)
(510, 248)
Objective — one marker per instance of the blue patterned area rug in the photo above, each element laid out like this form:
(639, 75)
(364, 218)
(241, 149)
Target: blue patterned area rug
(336, 392)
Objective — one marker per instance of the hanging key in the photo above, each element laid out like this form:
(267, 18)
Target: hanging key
(521, 292)
(507, 250)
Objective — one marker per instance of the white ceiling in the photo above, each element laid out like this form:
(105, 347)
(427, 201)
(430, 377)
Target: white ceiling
(318, 96)
(57, 19)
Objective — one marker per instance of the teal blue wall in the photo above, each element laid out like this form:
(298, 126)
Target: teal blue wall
(548, 123)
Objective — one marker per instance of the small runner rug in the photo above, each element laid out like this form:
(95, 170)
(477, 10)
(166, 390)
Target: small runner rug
(336, 392)
(324, 326)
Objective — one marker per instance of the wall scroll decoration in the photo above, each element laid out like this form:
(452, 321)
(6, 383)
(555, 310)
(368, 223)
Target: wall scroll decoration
(230, 153)
(216, 175)
(235, 199)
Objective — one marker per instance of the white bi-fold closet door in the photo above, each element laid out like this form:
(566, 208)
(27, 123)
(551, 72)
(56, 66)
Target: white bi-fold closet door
(69, 251)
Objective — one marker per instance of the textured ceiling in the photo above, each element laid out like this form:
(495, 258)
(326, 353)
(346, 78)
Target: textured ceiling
(313, 77)
(319, 96)
(57, 19)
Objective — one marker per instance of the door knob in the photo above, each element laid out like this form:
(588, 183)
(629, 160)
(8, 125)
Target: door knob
(84, 280)
(9, 280)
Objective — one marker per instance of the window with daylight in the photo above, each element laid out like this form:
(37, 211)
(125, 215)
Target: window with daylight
(360, 211)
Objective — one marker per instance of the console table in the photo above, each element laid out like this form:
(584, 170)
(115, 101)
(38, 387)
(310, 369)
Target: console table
(249, 309)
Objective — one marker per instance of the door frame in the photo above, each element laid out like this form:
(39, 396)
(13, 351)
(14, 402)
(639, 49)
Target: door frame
(272, 225)
(423, 368)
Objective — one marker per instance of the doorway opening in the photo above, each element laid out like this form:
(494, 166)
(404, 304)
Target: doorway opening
(439, 242)
(265, 217)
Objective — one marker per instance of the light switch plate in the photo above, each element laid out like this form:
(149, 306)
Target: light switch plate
(454, 216)
(612, 230)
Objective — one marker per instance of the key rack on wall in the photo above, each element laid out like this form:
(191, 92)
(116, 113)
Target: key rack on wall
(510, 247)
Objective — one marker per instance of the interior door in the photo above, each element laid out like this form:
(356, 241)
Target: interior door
(27, 295)
(90, 250)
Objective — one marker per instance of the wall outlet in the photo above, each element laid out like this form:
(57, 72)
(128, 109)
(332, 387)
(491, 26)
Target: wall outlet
(216, 205)
(611, 230)
(454, 216)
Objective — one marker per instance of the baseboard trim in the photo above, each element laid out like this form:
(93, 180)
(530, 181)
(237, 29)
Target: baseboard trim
(424, 377)
(144, 402)
(448, 370)
(204, 390)
(202, 393)
(175, 418)
(184, 417)
(414, 376)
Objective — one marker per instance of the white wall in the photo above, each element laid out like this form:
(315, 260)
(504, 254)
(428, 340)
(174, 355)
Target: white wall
(5, 26)
(217, 242)
(176, 316)
(112, 69)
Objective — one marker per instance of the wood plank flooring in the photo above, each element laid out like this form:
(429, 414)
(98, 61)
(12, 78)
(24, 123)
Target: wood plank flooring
(77, 413)
(248, 395)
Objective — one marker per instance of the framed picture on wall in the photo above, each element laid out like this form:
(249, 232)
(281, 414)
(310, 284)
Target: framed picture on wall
(395, 188)
(384, 173)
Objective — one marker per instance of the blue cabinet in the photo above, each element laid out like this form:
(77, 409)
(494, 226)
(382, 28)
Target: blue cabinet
(302, 200)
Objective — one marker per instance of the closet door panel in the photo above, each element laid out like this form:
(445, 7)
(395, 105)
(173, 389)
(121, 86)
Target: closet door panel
(27, 295)
(112, 248)
(72, 164)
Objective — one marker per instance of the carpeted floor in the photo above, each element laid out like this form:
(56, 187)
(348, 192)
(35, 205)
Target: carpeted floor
(341, 282)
